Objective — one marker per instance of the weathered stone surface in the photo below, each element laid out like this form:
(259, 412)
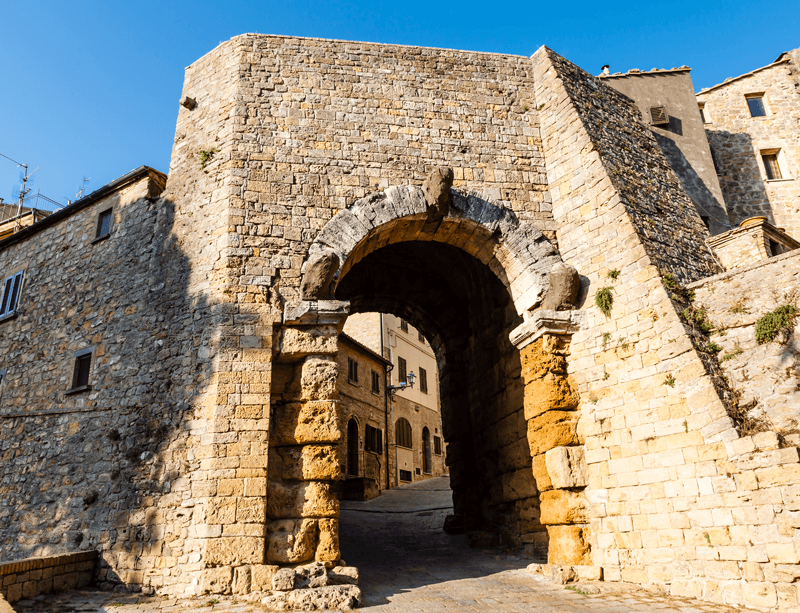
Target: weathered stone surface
(291, 541)
(518, 485)
(242, 577)
(305, 499)
(318, 379)
(310, 575)
(437, 191)
(563, 507)
(305, 463)
(234, 551)
(562, 293)
(300, 342)
(343, 575)
(328, 546)
(299, 423)
(540, 474)
(566, 467)
(563, 574)
(569, 545)
(217, 580)
(344, 597)
(261, 576)
(552, 429)
(553, 391)
(319, 272)
(283, 580)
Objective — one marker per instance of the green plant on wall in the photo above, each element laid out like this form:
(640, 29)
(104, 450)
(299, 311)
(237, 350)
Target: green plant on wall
(779, 320)
(604, 300)
(206, 155)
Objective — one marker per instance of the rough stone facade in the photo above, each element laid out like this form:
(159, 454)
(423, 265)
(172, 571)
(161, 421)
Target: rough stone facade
(739, 141)
(595, 438)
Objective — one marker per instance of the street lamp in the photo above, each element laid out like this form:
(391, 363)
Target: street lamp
(393, 389)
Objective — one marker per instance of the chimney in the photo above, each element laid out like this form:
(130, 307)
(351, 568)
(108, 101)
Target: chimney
(605, 70)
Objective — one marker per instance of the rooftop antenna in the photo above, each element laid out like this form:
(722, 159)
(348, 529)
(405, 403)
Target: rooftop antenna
(23, 191)
(79, 195)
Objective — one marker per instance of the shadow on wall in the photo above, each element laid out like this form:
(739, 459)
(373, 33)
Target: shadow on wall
(708, 207)
(740, 176)
(112, 478)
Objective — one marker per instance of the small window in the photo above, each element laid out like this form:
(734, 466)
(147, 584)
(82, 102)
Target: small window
(405, 475)
(775, 248)
(104, 223)
(376, 383)
(423, 380)
(11, 291)
(755, 103)
(771, 166)
(402, 433)
(80, 376)
(437, 445)
(421, 338)
(402, 370)
(419, 471)
(352, 370)
(658, 115)
(373, 439)
(403, 325)
(703, 116)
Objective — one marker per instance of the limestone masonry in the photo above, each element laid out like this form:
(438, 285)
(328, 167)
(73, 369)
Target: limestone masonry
(615, 395)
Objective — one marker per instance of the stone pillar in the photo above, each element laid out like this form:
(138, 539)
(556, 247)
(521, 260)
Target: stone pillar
(304, 441)
(551, 403)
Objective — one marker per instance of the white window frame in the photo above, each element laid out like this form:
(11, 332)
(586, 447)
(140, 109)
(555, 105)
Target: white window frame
(8, 284)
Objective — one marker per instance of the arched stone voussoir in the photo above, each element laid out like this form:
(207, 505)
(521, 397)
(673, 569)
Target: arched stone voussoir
(517, 252)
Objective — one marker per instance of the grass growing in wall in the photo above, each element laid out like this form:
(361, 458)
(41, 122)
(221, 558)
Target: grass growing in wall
(772, 324)
(604, 300)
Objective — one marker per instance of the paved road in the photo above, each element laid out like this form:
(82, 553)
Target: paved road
(408, 565)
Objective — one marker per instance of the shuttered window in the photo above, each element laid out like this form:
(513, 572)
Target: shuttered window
(11, 289)
(423, 380)
(376, 383)
(352, 370)
(437, 445)
(402, 433)
(373, 439)
(771, 166)
(402, 370)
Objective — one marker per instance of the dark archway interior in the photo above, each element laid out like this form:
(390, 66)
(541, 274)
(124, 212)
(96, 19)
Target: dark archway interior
(466, 314)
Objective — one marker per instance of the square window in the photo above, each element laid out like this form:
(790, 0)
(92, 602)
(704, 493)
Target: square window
(437, 445)
(405, 475)
(104, 223)
(80, 376)
(376, 383)
(703, 115)
(403, 325)
(423, 380)
(756, 105)
(402, 370)
(11, 291)
(771, 166)
(352, 370)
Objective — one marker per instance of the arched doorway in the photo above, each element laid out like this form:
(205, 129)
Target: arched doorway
(426, 451)
(352, 447)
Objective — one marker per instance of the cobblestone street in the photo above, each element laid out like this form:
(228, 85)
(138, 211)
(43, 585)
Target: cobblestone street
(409, 565)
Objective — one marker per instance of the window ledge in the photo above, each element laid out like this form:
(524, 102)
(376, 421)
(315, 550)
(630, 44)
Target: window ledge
(778, 180)
(101, 238)
(78, 390)
(8, 316)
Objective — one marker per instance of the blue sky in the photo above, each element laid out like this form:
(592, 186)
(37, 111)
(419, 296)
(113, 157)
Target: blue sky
(91, 89)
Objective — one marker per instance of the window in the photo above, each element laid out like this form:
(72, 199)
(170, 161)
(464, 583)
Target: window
(80, 374)
(11, 290)
(104, 224)
(421, 338)
(403, 325)
(373, 439)
(402, 433)
(352, 370)
(423, 380)
(405, 475)
(702, 108)
(755, 102)
(376, 383)
(658, 115)
(402, 370)
(437, 445)
(771, 166)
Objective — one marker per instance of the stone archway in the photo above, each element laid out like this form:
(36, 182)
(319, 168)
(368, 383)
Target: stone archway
(515, 364)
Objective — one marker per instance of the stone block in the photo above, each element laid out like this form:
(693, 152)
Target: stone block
(343, 575)
(559, 507)
(291, 541)
(318, 379)
(782, 553)
(216, 580)
(283, 580)
(540, 474)
(304, 341)
(261, 576)
(567, 467)
(760, 595)
(569, 545)
(551, 392)
(14, 592)
(299, 423)
(552, 429)
(241, 580)
(343, 597)
(306, 463)
(234, 551)
(518, 485)
(328, 546)
(221, 511)
(305, 499)
(589, 573)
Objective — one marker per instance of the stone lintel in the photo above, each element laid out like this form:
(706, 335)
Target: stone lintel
(314, 312)
(547, 322)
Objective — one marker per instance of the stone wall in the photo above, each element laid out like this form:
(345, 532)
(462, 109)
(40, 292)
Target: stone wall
(738, 140)
(33, 576)
(765, 375)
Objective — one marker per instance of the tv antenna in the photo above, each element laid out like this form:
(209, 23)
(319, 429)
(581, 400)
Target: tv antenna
(22, 191)
(79, 195)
